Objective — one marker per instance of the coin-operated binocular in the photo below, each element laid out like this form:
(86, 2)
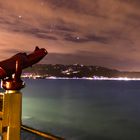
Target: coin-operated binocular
(11, 99)
(11, 106)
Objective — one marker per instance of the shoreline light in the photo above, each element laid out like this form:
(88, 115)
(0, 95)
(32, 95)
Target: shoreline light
(32, 76)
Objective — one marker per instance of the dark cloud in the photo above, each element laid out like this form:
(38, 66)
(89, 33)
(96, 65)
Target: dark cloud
(113, 34)
(45, 36)
(134, 17)
(135, 3)
(59, 25)
(101, 39)
(77, 6)
(120, 36)
(133, 20)
(91, 58)
(63, 28)
(23, 28)
(68, 58)
(86, 38)
(72, 4)
(74, 38)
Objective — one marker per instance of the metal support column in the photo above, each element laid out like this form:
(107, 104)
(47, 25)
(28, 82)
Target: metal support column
(11, 120)
(11, 110)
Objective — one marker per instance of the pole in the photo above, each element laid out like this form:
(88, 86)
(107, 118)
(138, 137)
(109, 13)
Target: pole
(12, 106)
(11, 115)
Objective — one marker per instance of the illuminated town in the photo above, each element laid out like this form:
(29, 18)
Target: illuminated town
(77, 71)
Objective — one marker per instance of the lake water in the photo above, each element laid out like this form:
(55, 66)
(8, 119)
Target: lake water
(83, 109)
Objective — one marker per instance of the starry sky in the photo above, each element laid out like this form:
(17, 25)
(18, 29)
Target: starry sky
(89, 32)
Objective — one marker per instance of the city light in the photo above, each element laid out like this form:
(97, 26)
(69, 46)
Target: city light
(37, 76)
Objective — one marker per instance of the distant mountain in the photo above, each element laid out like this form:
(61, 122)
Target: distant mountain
(77, 70)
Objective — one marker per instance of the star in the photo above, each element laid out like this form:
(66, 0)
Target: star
(77, 37)
(20, 17)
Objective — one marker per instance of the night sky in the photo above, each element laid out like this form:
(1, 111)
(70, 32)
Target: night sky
(89, 32)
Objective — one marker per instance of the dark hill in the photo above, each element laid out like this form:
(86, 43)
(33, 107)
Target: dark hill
(77, 70)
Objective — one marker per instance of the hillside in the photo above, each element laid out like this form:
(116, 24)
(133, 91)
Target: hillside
(76, 70)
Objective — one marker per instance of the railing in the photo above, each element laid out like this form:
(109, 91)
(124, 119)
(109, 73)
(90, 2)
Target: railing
(40, 133)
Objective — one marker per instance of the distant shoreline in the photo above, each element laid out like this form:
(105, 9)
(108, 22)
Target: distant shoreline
(87, 78)
(77, 71)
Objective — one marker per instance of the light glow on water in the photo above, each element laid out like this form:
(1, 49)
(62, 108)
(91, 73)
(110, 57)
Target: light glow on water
(118, 78)
(99, 78)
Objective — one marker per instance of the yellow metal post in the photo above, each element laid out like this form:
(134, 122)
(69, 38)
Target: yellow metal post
(11, 121)
(11, 110)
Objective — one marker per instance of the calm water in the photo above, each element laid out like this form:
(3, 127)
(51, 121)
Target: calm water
(83, 109)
